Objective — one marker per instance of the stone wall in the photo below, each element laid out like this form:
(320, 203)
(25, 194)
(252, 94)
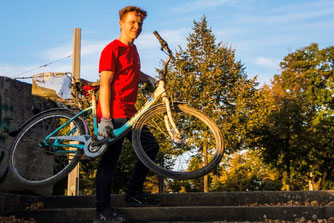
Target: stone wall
(16, 106)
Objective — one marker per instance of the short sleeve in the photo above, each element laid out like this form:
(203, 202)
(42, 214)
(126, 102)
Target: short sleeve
(108, 59)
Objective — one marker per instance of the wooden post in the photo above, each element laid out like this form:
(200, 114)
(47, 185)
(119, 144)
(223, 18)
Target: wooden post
(73, 177)
(76, 54)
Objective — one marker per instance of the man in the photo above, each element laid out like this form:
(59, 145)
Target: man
(119, 78)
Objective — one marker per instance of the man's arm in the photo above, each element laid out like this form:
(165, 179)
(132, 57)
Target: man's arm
(106, 78)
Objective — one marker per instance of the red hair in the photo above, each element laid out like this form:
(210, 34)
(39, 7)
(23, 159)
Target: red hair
(139, 12)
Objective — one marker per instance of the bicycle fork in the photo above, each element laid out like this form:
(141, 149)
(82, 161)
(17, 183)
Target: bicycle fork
(172, 130)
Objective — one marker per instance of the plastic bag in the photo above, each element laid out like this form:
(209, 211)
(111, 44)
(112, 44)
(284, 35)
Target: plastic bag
(52, 85)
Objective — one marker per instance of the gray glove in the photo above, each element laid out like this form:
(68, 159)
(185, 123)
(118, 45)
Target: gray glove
(106, 128)
(152, 81)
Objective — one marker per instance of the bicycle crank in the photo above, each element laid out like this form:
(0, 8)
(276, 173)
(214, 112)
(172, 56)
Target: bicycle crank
(92, 150)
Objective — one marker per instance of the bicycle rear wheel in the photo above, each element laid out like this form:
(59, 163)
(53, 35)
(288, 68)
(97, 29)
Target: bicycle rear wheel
(35, 162)
(197, 154)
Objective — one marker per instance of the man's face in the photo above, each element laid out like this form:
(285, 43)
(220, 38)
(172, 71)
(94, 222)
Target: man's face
(131, 25)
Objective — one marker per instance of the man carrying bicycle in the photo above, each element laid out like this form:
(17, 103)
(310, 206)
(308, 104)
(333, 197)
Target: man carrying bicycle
(119, 79)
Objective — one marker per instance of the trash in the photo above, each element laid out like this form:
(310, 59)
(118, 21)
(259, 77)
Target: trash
(52, 85)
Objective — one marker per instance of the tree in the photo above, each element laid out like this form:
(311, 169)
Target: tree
(279, 135)
(245, 171)
(207, 76)
(297, 133)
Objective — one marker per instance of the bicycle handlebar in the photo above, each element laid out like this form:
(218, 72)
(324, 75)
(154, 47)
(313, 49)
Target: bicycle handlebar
(163, 43)
(165, 48)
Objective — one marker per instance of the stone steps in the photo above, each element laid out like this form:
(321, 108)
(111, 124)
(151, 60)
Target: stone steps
(184, 214)
(182, 208)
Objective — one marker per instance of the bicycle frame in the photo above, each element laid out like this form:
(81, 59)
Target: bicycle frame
(159, 92)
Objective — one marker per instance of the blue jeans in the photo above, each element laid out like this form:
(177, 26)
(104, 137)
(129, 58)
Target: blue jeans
(109, 160)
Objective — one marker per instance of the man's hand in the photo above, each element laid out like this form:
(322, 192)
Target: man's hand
(106, 128)
(152, 81)
(147, 78)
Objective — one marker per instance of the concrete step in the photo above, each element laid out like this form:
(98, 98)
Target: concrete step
(184, 214)
(188, 199)
(182, 208)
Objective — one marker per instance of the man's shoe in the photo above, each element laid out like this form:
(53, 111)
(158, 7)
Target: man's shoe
(109, 215)
(142, 200)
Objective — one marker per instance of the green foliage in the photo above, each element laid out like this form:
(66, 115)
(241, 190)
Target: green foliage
(240, 171)
(87, 175)
(245, 171)
(207, 76)
(297, 128)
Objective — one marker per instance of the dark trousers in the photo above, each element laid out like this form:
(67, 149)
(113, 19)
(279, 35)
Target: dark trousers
(109, 160)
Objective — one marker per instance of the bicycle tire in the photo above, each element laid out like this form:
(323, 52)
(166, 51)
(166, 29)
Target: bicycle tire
(34, 165)
(192, 124)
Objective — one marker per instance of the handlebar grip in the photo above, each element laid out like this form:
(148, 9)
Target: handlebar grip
(162, 41)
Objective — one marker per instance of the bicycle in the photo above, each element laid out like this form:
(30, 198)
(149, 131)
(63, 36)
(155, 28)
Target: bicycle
(50, 144)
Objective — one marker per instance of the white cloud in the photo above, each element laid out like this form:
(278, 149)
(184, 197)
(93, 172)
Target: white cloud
(285, 17)
(28, 70)
(90, 53)
(59, 52)
(267, 62)
(289, 13)
(201, 4)
(311, 8)
(149, 47)
(173, 37)
(10, 70)
(87, 48)
(146, 41)
(93, 47)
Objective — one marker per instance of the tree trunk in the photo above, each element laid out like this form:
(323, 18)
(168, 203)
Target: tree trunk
(313, 183)
(287, 183)
(206, 177)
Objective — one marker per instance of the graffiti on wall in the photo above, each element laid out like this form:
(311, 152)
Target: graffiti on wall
(5, 121)
(6, 116)
(3, 165)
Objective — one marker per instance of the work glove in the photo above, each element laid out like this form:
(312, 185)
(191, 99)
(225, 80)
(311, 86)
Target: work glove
(150, 85)
(106, 128)
(152, 81)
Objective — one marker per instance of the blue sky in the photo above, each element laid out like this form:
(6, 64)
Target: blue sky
(262, 32)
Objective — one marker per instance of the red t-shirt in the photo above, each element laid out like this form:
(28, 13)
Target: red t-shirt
(124, 61)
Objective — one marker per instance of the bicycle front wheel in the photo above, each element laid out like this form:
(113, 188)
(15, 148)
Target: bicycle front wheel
(198, 152)
(36, 162)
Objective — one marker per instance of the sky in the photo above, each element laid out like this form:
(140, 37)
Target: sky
(262, 32)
